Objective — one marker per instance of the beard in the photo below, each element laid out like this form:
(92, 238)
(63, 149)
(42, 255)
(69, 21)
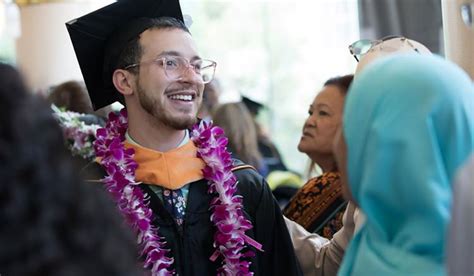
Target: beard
(156, 109)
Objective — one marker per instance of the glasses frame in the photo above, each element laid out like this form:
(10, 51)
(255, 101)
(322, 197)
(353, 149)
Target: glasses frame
(374, 43)
(188, 65)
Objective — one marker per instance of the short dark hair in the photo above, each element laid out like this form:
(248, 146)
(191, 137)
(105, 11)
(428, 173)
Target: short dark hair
(133, 50)
(342, 82)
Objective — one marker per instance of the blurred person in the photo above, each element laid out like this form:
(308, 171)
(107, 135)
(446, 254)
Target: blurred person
(196, 211)
(72, 96)
(408, 128)
(235, 120)
(253, 106)
(284, 183)
(210, 100)
(319, 205)
(268, 150)
(51, 223)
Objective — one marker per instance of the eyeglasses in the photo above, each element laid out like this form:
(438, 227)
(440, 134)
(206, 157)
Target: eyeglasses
(175, 67)
(361, 47)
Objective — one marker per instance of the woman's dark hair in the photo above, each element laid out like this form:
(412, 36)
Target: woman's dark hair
(343, 83)
(51, 222)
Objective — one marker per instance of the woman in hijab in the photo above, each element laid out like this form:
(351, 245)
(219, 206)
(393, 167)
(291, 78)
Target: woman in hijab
(409, 126)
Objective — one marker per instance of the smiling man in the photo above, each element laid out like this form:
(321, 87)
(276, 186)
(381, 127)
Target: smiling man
(195, 210)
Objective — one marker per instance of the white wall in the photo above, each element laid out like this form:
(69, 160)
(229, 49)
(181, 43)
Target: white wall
(44, 51)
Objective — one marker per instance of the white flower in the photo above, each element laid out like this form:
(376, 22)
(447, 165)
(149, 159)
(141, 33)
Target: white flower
(79, 136)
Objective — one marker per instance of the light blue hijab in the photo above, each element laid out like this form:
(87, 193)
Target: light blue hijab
(409, 125)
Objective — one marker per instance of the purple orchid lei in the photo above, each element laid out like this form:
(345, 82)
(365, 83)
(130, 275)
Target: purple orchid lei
(230, 238)
(227, 215)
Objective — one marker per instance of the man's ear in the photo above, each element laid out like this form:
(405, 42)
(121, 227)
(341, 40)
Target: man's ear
(123, 81)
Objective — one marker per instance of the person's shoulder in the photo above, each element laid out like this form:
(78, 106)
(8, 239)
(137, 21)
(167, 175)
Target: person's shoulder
(250, 183)
(245, 172)
(239, 165)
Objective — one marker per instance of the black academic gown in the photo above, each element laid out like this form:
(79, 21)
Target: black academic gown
(191, 245)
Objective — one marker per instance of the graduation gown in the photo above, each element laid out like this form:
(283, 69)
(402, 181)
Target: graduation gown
(191, 244)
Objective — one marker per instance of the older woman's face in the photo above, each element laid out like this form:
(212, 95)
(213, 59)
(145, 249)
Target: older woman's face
(324, 118)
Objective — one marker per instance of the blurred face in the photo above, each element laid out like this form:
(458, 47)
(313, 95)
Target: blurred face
(324, 118)
(172, 102)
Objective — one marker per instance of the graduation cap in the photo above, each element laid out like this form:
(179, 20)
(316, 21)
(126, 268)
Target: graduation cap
(253, 106)
(100, 36)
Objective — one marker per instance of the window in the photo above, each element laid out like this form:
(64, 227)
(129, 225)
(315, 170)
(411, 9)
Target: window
(279, 53)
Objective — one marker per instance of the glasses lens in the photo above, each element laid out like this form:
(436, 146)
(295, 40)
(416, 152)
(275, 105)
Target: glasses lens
(360, 47)
(207, 70)
(176, 67)
(173, 67)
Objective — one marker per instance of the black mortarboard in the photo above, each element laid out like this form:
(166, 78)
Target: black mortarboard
(253, 106)
(100, 36)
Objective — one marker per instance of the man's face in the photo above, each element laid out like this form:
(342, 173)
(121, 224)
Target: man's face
(173, 103)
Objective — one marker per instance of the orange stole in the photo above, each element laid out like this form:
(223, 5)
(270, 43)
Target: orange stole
(172, 169)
